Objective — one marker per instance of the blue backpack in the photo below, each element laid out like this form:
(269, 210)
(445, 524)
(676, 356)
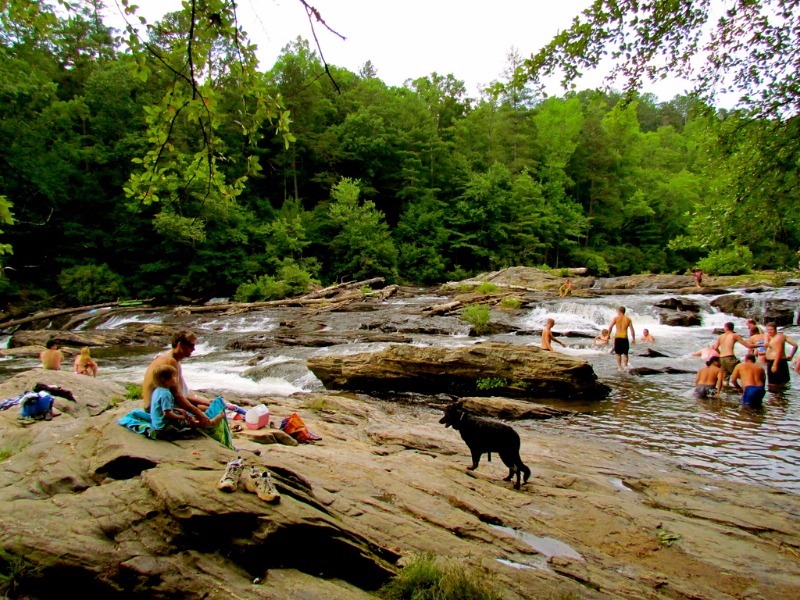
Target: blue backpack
(37, 406)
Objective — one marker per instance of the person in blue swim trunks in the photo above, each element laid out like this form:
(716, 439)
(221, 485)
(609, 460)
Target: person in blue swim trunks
(751, 379)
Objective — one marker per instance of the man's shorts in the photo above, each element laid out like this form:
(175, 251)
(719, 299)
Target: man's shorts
(781, 377)
(705, 391)
(753, 395)
(728, 364)
(621, 345)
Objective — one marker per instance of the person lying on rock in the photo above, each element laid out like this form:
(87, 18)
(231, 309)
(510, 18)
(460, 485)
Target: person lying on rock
(163, 414)
(183, 344)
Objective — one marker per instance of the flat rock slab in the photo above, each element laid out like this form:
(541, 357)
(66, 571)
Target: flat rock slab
(494, 368)
(513, 410)
(118, 513)
(266, 436)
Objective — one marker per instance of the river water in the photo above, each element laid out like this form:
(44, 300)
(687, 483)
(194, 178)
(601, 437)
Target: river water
(654, 413)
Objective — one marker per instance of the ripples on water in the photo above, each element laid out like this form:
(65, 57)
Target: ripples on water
(658, 413)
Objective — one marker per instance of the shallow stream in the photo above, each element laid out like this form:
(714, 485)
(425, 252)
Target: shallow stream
(655, 413)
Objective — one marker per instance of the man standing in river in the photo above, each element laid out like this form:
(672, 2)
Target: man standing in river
(548, 338)
(777, 359)
(183, 344)
(752, 380)
(621, 343)
(724, 345)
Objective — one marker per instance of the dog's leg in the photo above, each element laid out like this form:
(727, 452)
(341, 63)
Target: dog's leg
(476, 458)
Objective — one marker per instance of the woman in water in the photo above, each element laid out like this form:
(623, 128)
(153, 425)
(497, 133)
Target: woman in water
(759, 341)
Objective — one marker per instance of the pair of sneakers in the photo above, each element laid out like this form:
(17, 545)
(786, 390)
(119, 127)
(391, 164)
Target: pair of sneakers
(256, 482)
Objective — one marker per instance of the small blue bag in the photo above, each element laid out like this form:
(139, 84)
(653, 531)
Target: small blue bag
(37, 406)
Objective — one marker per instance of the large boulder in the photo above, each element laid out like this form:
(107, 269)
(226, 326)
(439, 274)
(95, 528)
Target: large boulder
(678, 318)
(494, 368)
(762, 309)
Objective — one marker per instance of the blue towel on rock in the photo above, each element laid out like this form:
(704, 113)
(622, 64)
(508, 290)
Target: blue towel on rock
(139, 421)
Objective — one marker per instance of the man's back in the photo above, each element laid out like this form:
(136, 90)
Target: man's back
(708, 375)
(52, 359)
(622, 323)
(751, 374)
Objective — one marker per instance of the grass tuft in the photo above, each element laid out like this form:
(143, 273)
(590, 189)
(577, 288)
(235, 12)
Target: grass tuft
(425, 578)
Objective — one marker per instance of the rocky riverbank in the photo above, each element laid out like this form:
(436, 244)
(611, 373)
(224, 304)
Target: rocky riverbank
(87, 503)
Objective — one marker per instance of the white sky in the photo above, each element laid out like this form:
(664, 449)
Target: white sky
(406, 39)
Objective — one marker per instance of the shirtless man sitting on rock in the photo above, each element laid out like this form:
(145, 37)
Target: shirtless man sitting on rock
(183, 344)
(52, 357)
(752, 380)
(724, 345)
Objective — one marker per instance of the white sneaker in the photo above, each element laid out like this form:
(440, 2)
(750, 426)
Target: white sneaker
(260, 483)
(230, 480)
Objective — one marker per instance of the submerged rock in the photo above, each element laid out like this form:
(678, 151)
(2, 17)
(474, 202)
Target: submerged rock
(494, 368)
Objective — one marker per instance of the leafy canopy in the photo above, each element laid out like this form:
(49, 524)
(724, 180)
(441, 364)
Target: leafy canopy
(750, 47)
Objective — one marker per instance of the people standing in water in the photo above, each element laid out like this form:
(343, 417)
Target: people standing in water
(621, 344)
(759, 342)
(708, 382)
(548, 337)
(84, 365)
(565, 289)
(752, 323)
(647, 336)
(752, 380)
(777, 359)
(724, 345)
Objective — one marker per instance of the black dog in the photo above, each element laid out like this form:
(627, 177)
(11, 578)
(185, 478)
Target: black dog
(485, 435)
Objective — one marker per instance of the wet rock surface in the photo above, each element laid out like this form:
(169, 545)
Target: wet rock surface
(781, 312)
(89, 503)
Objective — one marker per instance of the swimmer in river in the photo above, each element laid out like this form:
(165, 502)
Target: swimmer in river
(603, 338)
(647, 336)
(753, 378)
(708, 382)
(548, 337)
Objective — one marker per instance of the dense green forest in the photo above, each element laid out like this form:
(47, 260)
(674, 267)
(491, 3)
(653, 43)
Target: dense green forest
(123, 178)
